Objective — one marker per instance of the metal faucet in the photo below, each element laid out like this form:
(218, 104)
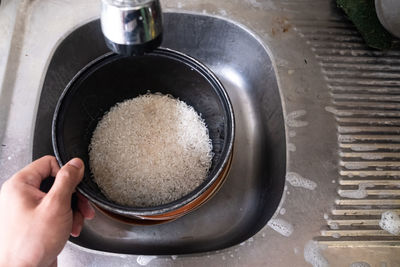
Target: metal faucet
(131, 27)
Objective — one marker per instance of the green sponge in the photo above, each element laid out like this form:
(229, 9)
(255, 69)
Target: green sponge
(362, 13)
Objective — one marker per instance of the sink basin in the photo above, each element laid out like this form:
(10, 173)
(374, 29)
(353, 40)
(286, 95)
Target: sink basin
(254, 186)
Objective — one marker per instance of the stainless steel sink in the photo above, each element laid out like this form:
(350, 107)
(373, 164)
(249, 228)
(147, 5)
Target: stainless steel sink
(254, 187)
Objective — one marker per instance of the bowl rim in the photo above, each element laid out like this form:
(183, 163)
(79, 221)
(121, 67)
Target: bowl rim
(111, 206)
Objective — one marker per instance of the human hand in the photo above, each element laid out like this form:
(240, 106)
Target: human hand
(35, 226)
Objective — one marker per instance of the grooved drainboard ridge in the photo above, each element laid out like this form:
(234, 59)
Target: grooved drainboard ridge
(364, 85)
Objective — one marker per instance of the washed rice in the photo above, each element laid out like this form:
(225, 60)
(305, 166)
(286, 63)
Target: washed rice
(150, 150)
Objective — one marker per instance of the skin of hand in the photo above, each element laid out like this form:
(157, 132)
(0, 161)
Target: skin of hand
(34, 225)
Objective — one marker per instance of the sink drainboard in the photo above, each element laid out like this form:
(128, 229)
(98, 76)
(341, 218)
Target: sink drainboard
(365, 86)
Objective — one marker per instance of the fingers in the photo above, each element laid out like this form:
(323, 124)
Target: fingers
(85, 208)
(66, 181)
(54, 263)
(34, 173)
(77, 224)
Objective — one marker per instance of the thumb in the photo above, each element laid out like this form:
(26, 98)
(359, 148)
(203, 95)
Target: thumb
(67, 178)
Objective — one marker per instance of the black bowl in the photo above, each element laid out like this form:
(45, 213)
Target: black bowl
(113, 78)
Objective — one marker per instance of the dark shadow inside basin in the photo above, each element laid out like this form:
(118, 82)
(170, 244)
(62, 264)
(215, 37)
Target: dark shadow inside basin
(255, 184)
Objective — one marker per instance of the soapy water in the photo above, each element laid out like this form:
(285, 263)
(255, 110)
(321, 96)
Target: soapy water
(360, 264)
(390, 222)
(282, 211)
(281, 226)
(297, 180)
(292, 133)
(291, 119)
(313, 255)
(144, 260)
(361, 192)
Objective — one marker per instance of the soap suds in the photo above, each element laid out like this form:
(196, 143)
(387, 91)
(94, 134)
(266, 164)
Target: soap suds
(371, 156)
(291, 119)
(263, 234)
(255, 3)
(282, 211)
(222, 12)
(363, 148)
(361, 192)
(281, 226)
(338, 112)
(292, 133)
(334, 225)
(144, 260)
(297, 180)
(354, 166)
(346, 138)
(336, 235)
(390, 222)
(313, 255)
(291, 147)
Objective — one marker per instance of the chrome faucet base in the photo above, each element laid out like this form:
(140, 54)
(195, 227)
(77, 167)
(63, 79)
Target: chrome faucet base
(136, 49)
(131, 27)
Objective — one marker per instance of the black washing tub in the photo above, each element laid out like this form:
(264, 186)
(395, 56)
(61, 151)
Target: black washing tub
(111, 79)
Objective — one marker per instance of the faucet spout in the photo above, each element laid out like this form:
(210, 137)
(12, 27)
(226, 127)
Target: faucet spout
(131, 27)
